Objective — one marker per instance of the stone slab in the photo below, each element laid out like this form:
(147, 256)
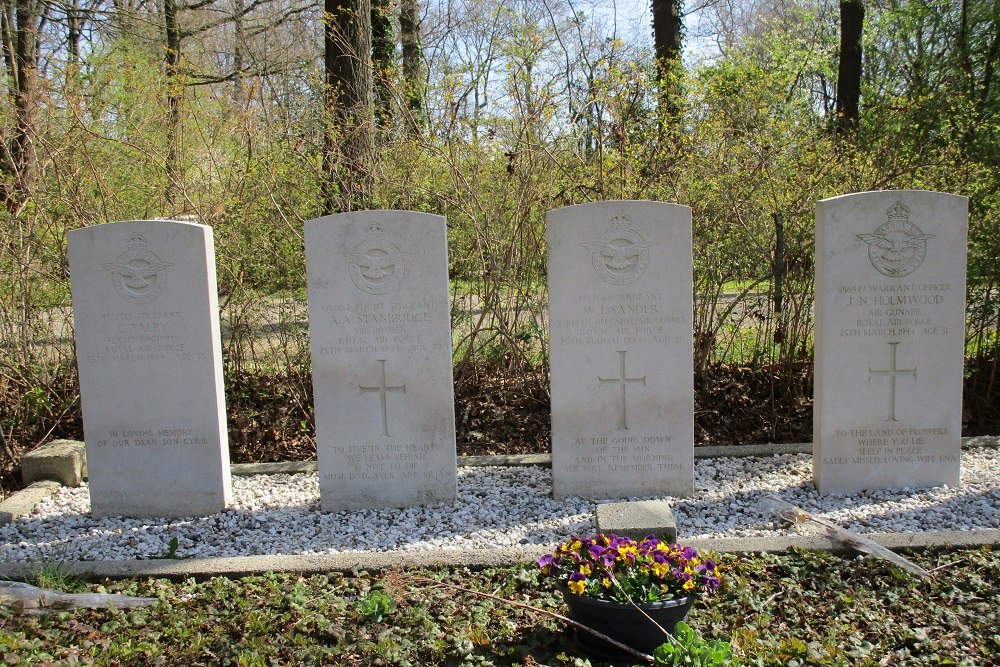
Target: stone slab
(474, 558)
(890, 337)
(637, 519)
(146, 312)
(24, 501)
(380, 333)
(620, 304)
(64, 461)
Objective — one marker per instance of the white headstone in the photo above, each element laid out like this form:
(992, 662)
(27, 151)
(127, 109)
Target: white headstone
(620, 304)
(146, 312)
(380, 333)
(890, 335)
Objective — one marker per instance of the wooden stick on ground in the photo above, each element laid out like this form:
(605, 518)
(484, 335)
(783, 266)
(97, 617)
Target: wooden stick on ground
(29, 599)
(793, 514)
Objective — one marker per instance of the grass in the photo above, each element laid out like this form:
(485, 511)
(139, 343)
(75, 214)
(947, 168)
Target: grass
(799, 608)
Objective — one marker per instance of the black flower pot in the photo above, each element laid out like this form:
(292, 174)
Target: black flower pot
(624, 623)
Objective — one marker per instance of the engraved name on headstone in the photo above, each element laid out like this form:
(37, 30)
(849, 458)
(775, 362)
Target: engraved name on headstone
(620, 290)
(146, 313)
(380, 332)
(890, 333)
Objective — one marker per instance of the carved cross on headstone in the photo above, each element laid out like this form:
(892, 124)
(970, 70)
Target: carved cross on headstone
(622, 380)
(383, 389)
(892, 372)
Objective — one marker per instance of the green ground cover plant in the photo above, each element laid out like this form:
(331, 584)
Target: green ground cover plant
(799, 608)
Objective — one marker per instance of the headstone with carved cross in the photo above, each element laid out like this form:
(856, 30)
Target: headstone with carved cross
(146, 314)
(890, 333)
(379, 328)
(620, 290)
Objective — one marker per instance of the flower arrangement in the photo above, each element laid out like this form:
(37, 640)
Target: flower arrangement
(609, 567)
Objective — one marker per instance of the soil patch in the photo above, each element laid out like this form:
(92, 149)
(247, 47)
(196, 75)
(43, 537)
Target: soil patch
(497, 412)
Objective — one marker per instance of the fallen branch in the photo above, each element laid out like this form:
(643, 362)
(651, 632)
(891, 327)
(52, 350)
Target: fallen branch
(792, 514)
(28, 599)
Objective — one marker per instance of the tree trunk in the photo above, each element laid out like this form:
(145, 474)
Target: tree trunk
(383, 50)
(175, 98)
(349, 145)
(21, 22)
(413, 79)
(848, 108)
(667, 43)
(74, 30)
(239, 44)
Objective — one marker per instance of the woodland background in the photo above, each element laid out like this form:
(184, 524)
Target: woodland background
(254, 115)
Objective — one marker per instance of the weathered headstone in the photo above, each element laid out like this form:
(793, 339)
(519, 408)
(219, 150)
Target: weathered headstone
(380, 332)
(146, 312)
(890, 333)
(620, 291)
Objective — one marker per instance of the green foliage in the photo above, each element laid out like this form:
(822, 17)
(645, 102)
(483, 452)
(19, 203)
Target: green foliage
(779, 609)
(53, 575)
(170, 553)
(688, 648)
(376, 605)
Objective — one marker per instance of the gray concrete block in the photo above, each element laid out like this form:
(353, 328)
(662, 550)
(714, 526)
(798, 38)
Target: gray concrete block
(64, 461)
(24, 501)
(637, 519)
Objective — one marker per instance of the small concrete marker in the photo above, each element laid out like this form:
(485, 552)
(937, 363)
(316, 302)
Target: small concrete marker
(637, 519)
(64, 461)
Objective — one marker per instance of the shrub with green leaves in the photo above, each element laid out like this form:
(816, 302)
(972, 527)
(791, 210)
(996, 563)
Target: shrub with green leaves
(376, 605)
(688, 648)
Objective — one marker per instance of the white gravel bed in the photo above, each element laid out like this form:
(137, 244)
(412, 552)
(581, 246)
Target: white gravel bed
(496, 507)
